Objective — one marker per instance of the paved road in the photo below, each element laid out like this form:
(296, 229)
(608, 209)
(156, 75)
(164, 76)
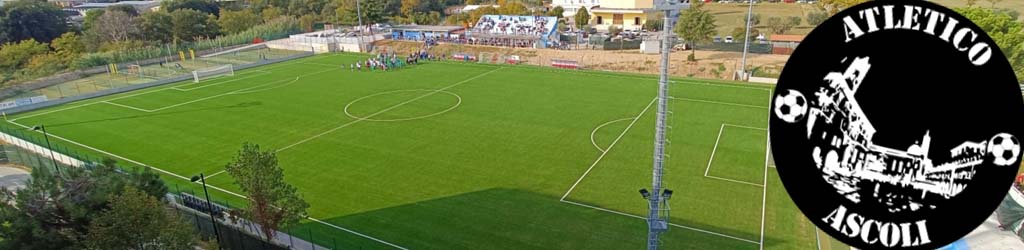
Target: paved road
(11, 177)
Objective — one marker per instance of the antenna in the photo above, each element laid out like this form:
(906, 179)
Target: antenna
(657, 217)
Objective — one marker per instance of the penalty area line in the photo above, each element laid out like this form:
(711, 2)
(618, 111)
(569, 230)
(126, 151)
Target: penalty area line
(605, 152)
(672, 224)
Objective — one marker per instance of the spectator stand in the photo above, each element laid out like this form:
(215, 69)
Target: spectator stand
(427, 33)
(514, 31)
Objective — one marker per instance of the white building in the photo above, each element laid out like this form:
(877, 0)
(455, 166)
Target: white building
(572, 6)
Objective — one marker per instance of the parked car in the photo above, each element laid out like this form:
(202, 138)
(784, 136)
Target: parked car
(717, 39)
(728, 39)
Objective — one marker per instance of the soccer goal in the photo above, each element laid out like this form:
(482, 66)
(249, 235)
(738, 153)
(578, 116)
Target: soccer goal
(488, 57)
(213, 72)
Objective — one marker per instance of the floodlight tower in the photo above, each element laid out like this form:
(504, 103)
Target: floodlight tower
(657, 217)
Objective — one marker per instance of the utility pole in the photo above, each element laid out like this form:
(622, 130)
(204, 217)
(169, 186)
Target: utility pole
(359, 17)
(657, 217)
(746, 44)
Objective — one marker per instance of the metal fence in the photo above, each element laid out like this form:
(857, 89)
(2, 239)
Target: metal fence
(98, 92)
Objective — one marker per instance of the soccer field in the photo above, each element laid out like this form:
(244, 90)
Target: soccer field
(462, 156)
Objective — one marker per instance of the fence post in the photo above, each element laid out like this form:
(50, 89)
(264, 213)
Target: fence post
(310, 231)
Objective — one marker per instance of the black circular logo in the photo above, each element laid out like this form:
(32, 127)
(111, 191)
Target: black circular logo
(897, 124)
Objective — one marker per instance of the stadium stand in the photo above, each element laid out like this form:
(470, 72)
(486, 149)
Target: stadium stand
(513, 31)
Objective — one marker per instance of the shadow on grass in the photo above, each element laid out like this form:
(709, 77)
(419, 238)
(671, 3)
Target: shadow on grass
(154, 114)
(501, 218)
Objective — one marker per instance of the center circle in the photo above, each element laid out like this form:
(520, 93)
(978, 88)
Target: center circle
(396, 99)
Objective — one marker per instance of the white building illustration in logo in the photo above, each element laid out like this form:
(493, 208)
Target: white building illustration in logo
(865, 172)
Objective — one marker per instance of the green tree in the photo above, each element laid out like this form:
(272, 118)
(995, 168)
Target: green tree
(779, 25)
(582, 18)
(157, 26)
(795, 20)
(90, 18)
(273, 203)
(472, 2)
(232, 22)
(14, 56)
(124, 8)
(53, 212)
(696, 25)
(556, 12)
(740, 33)
(372, 11)
(655, 22)
(136, 220)
(306, 22)
(1005, 30)
(206, 6)
(410, 7)
(37, 20)
(513, 8)
(68, 46)
(271, 13)
(815, 18)
(190, 25)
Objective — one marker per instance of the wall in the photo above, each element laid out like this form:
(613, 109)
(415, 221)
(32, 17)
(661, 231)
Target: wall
(627, 21)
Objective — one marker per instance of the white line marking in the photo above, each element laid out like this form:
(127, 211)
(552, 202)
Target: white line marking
(673, 224)
(712, 158)
(592, 141)
(736, 181)
(213, 84)
(707, 170)
(385, 110)
(608, 149)
(215, 174)
(741, 126)
(208, 185)
(127, 106)
(357, 233)
(764, 194)
(722, 103)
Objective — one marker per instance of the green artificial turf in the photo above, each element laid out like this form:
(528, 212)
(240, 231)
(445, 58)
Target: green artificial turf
(461, 156)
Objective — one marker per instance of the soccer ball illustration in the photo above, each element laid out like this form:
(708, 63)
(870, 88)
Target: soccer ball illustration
(1004, 149)
(790, 106)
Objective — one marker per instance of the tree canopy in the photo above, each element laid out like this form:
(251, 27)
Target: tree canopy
(273, 203)
(1007, 32)
(39, 20)
(696, 24)
(136, 220)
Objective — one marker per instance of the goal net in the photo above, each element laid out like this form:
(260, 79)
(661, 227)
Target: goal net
(488, 57)
(213, 72)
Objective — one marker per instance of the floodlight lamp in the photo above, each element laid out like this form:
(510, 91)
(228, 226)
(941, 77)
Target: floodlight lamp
(645, 193)
(195, 178)
(666, 194)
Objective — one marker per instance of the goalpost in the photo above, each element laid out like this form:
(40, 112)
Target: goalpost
(213, 72)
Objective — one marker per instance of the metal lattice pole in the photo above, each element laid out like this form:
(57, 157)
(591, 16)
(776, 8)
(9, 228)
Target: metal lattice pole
(746, 43)
(657, 217)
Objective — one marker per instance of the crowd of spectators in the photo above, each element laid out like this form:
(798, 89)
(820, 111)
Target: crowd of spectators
(513, 25)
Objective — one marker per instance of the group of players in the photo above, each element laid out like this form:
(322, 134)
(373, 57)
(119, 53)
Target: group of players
(384, 61)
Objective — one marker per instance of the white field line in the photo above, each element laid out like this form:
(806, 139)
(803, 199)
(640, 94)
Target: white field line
(673, 224)
(384, 110)
(127, 106)
(712, 158)
(817, 238)
(741, 126)
(764, 194)
(215, 174)
(262, 68)
(736, 181)
(722, 103)
(592, 141)
(608, 149)
(357, 233)
(208, 185)
(178, 88)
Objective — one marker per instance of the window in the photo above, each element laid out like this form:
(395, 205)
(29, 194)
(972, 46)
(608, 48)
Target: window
(600, 20)
(636, 20)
